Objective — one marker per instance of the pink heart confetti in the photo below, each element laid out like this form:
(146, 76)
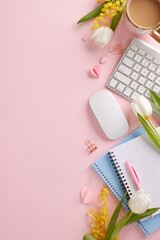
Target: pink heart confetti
(84, 38)
(95, 71)
(88, 195)
(102, 60)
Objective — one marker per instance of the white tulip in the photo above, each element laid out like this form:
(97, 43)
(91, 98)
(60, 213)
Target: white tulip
(142, 106)
(139, 202)
(102, 36)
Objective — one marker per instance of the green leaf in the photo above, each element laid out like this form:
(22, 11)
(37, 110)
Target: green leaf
(116, 19)
(88, 236)
(114, 218)
(156, 99)
(92, 14)
(137, 217)
(120, 224)
(149, 131)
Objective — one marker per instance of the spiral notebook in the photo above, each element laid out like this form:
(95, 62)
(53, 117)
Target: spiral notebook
(105, 168)
(145, 157)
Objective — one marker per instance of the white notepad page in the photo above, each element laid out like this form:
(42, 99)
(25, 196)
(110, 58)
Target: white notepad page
(144, 156)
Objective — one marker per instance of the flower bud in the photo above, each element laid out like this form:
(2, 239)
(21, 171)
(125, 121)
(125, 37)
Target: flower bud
(102, 36)
(142, 106)
(139, 202)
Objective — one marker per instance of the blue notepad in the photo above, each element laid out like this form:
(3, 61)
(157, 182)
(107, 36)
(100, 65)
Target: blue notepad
(106, 170)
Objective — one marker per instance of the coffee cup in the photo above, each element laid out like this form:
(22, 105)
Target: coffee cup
(142, 16)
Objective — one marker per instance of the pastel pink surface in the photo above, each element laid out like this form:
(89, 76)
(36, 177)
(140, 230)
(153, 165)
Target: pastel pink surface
(45, 119)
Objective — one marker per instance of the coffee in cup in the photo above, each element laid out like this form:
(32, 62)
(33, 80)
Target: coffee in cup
(143, 15)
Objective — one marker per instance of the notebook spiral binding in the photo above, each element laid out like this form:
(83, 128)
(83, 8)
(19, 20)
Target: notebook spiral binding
(121, 176)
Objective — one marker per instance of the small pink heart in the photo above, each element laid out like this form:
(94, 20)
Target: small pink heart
(88, 195)
(102, 60)
(95, 71)
(84, 38)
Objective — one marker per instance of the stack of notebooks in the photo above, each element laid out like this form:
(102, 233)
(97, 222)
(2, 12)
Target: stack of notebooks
(140, 152)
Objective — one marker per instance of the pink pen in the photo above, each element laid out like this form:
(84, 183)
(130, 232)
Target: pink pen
(133, 175)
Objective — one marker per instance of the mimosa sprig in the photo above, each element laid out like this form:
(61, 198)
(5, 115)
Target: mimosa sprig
(112, 9)
(138, 204)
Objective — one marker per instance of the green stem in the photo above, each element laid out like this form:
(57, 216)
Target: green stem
(149, 131)
(88, 236)
(120, 224)
(152, 125)
(117, 18)
(92, 14)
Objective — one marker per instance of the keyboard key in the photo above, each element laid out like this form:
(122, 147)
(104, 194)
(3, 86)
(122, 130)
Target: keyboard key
(144, 72)
(133, 47)
(138, 58)
(134, 95)
(156, 61)
(141, 52)
(157, 80)
(152, 67)
(137, 67)
(120, 87)
(134, 85)
(122, 78)
(122, 68)
(113, 83)
(128, 62)
(149, 84)
(141, 89)
(149, 57)
(156, 89)
(134, 75)
(142, 80)
(128, 91)
(147, 94)
(130, 54)
(158, 71)
(145, 62)
(151, 76)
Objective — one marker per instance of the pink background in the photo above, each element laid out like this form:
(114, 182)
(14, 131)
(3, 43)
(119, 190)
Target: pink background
(45, 119)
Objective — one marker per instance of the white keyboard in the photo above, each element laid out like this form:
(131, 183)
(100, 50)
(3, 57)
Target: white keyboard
(137, 72)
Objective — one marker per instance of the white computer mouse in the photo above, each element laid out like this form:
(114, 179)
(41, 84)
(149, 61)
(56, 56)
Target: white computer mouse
(109, 114)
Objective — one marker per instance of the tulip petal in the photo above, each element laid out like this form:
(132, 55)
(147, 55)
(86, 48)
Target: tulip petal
(97, 32)
(144, 105)
(136, 109)
(104, 38)
(149, 131)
